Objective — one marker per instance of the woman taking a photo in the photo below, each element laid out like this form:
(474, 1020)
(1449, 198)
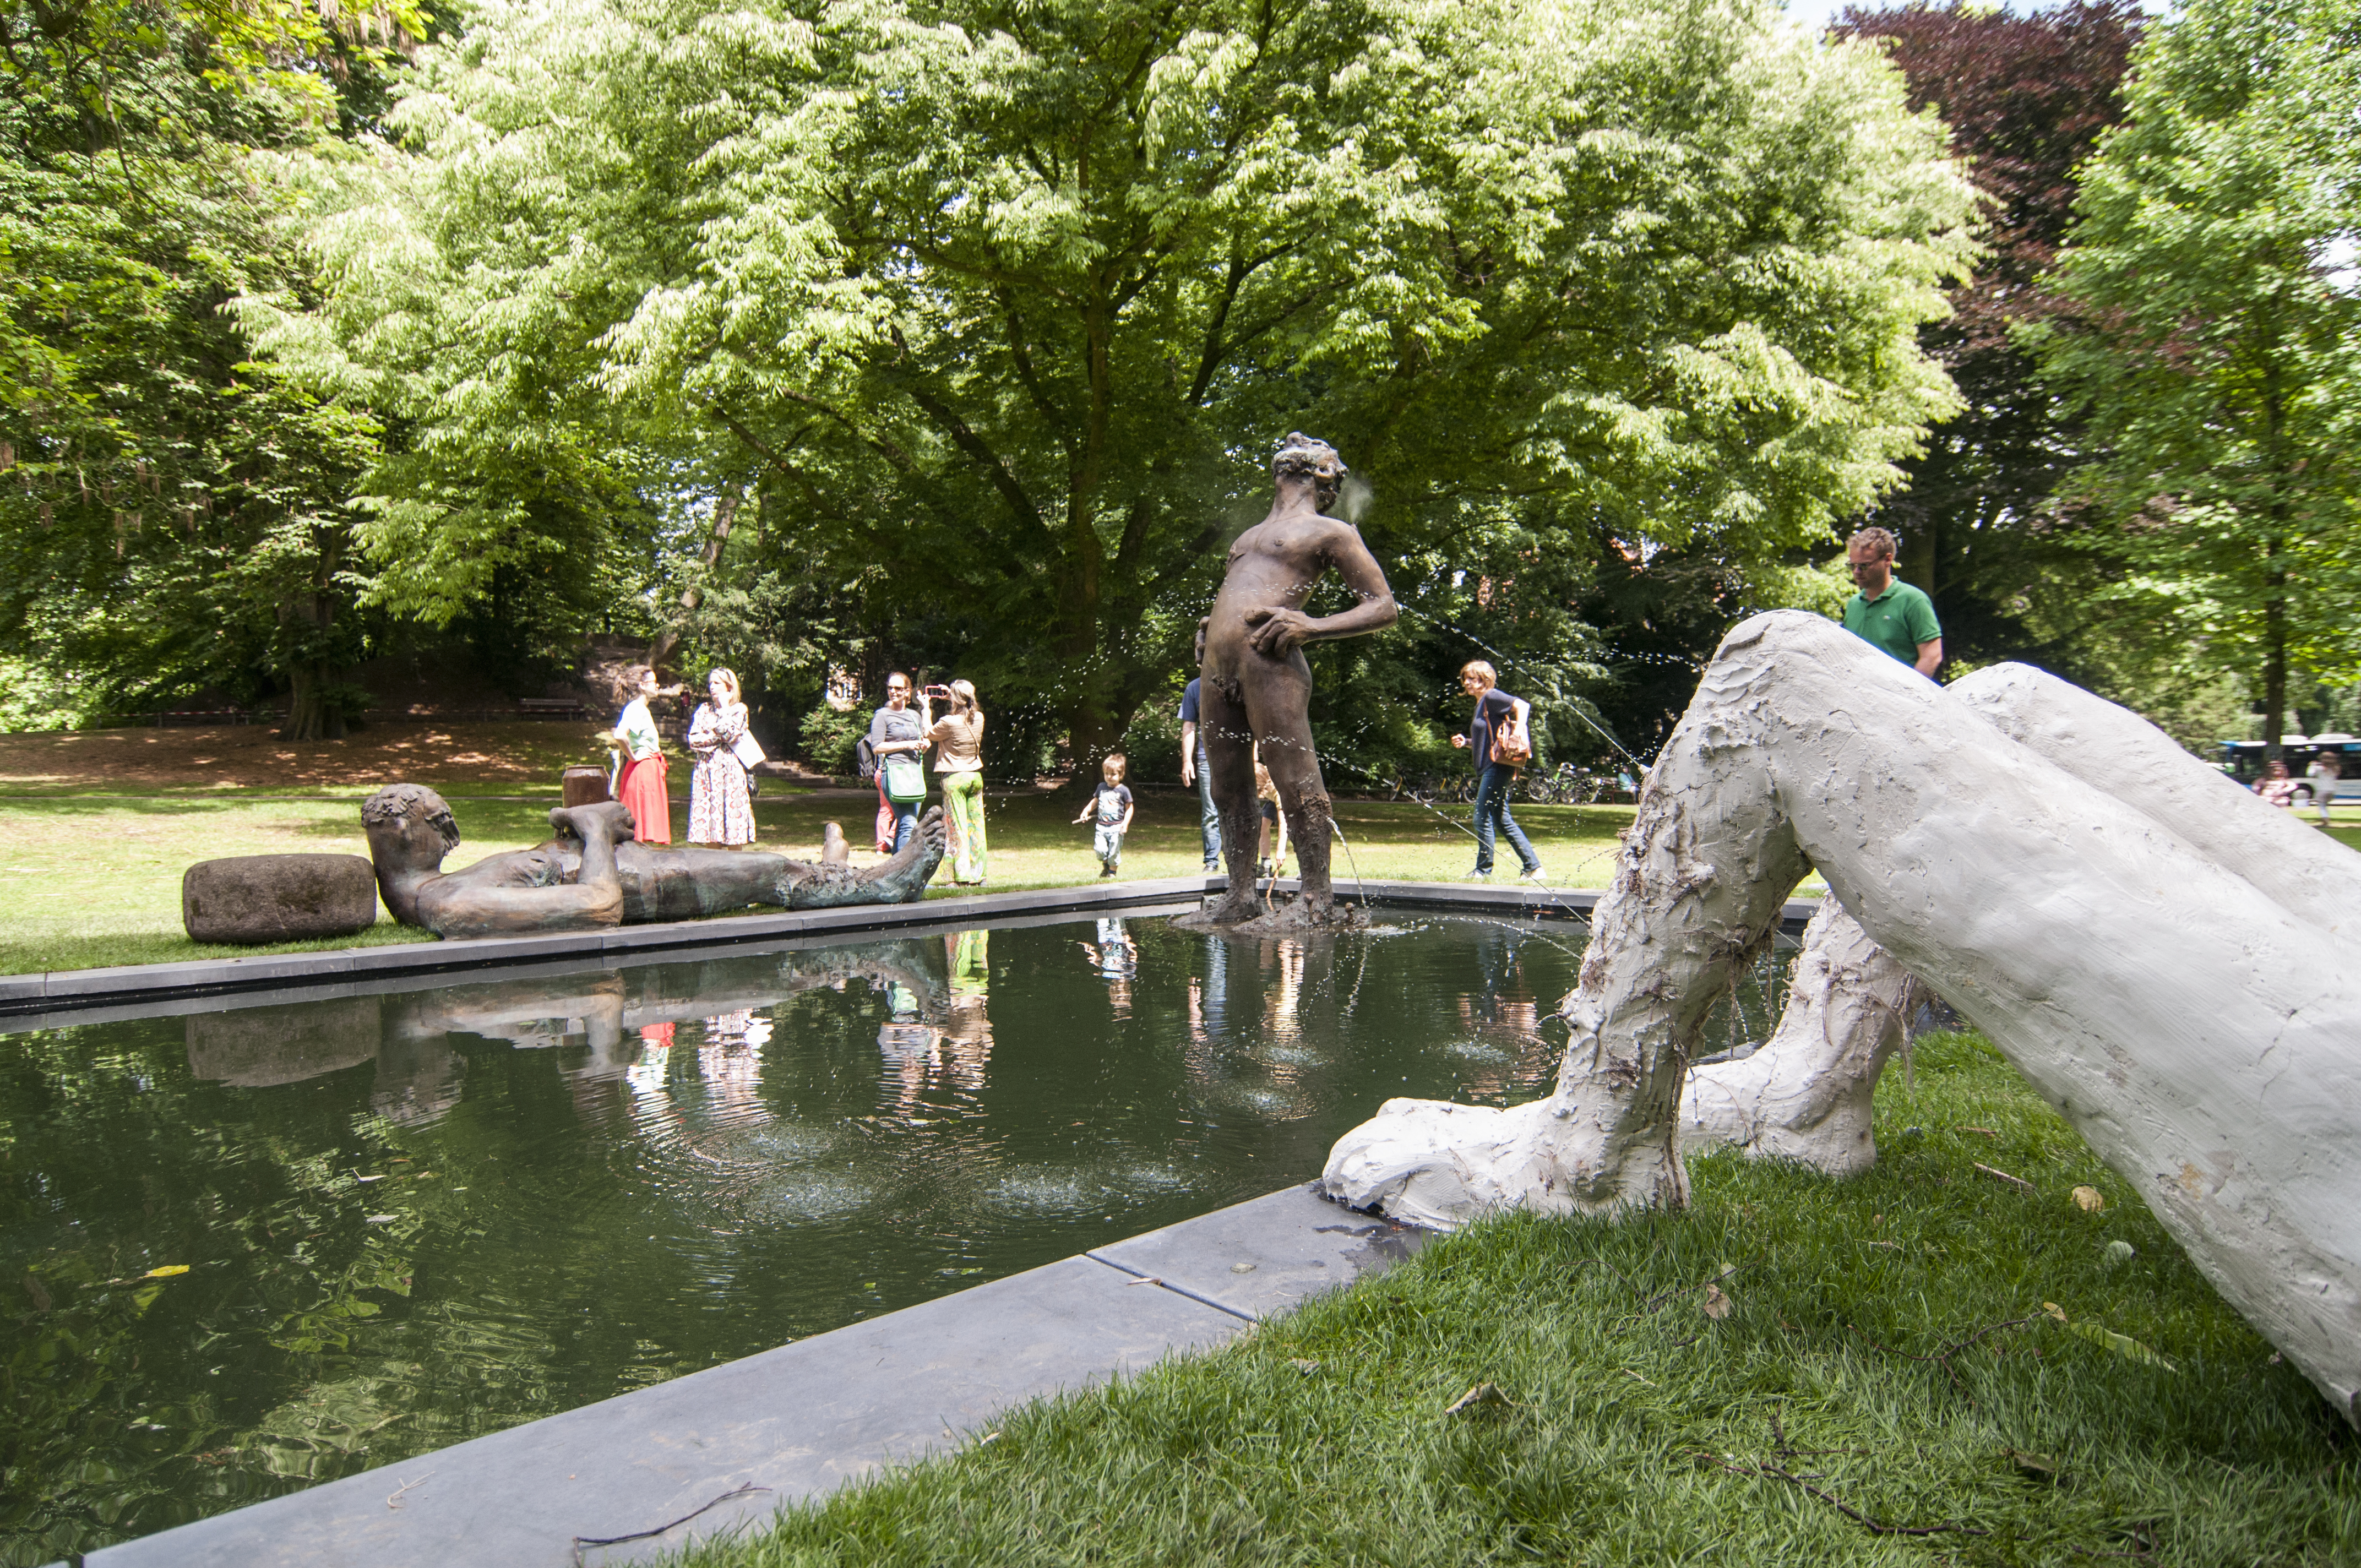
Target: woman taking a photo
(721, 807)
(1498, 737)
(958, 738)
(641, 784)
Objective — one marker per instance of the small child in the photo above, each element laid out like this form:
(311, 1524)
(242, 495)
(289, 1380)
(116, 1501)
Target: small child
(1112, 802)
(1274, 823)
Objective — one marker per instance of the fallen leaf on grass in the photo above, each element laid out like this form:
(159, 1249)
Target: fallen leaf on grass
(1478, 1398)
(2124, 1345)
(166, 1271)
(1305, 1366)
(1717, 1304)
(2089, 1200)
(2036, 1466)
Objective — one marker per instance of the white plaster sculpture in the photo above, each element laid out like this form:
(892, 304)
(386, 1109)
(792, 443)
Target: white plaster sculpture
(2200, 1033)
(1806, 1094)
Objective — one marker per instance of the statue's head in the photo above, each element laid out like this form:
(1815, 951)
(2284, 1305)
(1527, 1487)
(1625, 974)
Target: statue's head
(1307, 457)
(409, 827)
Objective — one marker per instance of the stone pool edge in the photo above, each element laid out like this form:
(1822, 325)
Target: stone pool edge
(720, 1450)
(67, 991)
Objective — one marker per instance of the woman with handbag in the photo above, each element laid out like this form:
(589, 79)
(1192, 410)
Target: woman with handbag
(641, 784)
(899, 741)
(959, 759)
(1502, 744)
(720, 803)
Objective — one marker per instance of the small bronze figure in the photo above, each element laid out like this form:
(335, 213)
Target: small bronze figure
(1258, 683)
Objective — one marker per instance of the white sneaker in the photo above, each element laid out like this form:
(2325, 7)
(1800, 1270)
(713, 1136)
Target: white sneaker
(1536, 875)
(1479, 876)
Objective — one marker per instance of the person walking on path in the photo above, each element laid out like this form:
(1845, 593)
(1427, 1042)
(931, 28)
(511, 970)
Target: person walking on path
(1498, 716)
(895, 731)
(721, 807)
(2325, 773)
(641, 786)
(1886, 612)
(958, 738)
(1112, 804)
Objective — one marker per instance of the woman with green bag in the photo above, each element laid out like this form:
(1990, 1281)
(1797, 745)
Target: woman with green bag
(899, 741)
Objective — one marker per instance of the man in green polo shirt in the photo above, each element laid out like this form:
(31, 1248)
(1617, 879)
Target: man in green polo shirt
(1891, 614)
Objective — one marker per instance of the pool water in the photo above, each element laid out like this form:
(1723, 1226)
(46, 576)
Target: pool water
(250, 1250)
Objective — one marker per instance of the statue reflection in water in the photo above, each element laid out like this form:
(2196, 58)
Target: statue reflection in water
(607, 1023)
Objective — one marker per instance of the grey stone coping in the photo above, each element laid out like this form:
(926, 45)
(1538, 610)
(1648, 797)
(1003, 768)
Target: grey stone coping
(800, 1420)
(95, 995)
(1263, 1257)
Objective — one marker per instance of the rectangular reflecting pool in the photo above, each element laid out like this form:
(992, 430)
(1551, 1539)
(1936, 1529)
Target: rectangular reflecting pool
(247, 1250)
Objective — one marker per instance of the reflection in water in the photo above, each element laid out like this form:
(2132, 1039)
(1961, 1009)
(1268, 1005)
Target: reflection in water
(1116, 957)
(479, 1204)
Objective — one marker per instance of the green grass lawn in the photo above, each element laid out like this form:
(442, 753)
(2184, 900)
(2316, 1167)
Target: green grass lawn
(92, 879)
(1887, 1386)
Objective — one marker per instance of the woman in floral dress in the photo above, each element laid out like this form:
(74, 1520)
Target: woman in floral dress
(720, 808)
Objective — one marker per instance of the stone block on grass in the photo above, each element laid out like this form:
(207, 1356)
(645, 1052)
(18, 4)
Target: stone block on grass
(277, 898)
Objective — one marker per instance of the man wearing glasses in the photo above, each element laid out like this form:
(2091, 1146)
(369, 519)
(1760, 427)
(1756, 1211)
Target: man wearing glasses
(1887, 612)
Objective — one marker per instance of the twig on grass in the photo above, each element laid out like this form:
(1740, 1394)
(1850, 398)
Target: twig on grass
(1874, 1525)
(1943, 1359)
(582, 1540)
(2012, 1180)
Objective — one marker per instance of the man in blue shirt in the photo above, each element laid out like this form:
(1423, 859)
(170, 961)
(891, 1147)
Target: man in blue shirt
(1889, 613)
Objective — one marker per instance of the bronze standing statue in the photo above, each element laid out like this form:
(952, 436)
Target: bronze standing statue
(1258, 683)
(591, 874)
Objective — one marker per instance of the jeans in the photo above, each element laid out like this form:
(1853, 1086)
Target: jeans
(1209, 815)
(1107, 844)
(1492, 788)
(905, 821)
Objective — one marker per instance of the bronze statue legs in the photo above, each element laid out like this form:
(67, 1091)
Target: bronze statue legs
(1266, 704)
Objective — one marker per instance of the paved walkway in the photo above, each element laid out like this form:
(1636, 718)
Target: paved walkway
(721, 1450)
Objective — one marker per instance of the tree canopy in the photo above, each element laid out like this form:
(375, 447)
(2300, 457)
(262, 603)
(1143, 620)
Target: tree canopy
(2214, 351)
(1000, 308)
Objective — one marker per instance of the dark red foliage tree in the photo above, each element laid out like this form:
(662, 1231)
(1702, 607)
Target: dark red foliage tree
(2025, 97)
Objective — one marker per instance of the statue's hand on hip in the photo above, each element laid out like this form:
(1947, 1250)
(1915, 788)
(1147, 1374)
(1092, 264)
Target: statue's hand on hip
(1277, 633)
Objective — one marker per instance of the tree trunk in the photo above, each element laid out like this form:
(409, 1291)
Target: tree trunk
(725, 516)
(2191, 1026)
(2274, 648)
(310, 716)
(1916, 565)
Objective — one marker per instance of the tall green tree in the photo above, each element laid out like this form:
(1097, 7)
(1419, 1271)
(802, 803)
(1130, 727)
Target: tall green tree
(1008, 303)
(175, 517)
(2026, 98)
(2216, 351)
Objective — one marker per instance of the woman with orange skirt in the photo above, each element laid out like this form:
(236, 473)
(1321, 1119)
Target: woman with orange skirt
(642, 785)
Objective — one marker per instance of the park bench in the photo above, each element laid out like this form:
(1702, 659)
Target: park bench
(550, 707)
